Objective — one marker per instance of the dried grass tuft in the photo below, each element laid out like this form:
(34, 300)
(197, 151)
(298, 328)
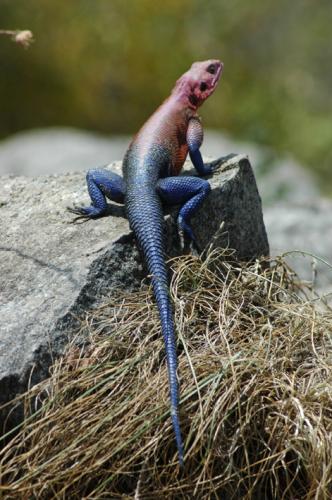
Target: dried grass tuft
(256, 396)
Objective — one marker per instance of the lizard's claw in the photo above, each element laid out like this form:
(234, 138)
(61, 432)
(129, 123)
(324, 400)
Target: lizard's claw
(221, 163)
(194, 248)
(182, 239)
(188, 243)
(76, 211)
(80, 217)
(86, 212)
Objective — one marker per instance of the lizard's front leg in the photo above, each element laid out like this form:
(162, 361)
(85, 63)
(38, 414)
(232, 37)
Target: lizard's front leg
(194, 140)
(101, 183)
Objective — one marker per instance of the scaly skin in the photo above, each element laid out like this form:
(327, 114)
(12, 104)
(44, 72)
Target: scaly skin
(154, 159)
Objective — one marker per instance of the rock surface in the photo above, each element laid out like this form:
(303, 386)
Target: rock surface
(51, 270)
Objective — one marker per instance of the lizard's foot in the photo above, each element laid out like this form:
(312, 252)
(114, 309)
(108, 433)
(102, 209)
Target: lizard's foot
(101, 183)
(87, 212)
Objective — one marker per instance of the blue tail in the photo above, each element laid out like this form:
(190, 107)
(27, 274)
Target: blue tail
(167, 326)
(146, 219)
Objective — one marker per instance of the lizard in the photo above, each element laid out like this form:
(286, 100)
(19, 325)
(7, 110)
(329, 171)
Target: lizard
(151, 168)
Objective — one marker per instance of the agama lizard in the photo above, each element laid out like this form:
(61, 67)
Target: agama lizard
(150, 169)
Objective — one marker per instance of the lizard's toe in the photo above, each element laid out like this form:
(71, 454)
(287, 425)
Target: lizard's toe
(75, 210)
(187, 239)
(221, 162)
(194, 248)
(86, 212)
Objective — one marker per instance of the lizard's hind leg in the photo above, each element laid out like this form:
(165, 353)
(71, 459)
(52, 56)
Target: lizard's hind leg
(188, 191)
(102, 184)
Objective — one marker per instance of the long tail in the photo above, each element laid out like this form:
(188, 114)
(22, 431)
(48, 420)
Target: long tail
(146, 219)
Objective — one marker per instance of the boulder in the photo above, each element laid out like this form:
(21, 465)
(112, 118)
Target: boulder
(54, 270)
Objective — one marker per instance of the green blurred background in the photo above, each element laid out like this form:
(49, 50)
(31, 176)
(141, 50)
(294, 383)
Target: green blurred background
(105, 65)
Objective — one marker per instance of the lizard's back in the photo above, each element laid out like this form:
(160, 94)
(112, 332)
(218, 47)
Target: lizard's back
(160, 148)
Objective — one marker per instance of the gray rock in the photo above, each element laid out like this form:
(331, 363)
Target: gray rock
(235, 203)
(52, 271)
(279, 177)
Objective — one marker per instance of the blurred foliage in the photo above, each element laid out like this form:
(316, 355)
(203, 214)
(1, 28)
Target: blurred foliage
(106, 65)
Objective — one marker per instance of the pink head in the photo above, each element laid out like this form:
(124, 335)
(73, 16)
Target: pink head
(199, 82)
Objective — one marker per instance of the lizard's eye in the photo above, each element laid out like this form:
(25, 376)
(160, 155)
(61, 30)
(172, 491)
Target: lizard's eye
(203, 86)
(211, 69)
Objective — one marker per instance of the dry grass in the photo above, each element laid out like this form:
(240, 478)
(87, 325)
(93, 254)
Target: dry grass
(256, 397)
